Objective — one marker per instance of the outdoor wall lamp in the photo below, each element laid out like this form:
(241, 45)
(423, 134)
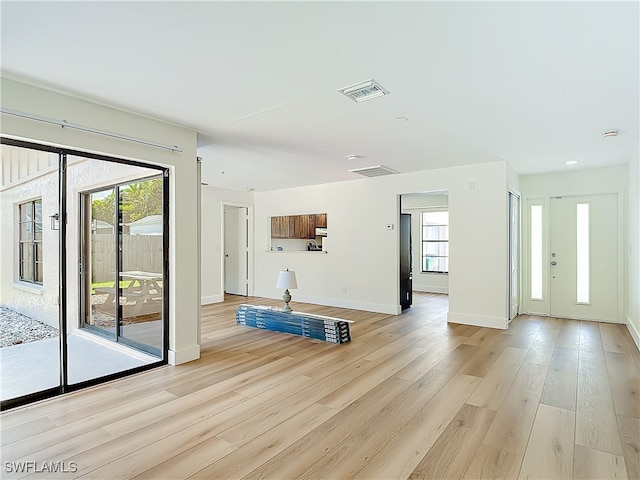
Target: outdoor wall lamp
(55, 221)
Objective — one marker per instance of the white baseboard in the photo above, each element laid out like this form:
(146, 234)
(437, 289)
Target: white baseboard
(342, 303)
(211, 299)
(477, 320)
(353, 304)
(633, 330)
(184, 355)
(430, 289)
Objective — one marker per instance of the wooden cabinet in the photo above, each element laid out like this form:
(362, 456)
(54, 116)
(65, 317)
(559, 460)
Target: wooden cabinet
(311, 225)
(321, 220)
(280, 227)
(297, 226)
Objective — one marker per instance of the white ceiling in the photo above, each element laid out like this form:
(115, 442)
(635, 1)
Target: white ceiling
(532, 83)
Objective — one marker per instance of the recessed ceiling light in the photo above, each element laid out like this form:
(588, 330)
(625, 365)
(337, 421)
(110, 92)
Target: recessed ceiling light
(571, 162)
(249, 189)
(610, 133)
(401, 119)
(364, 91)
(353, 157)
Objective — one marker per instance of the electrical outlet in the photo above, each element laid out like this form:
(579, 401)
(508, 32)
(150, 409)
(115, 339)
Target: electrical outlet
(344, 289)
(389, 226)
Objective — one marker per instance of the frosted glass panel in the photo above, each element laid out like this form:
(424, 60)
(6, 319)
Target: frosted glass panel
(582, 249)
(536, 252)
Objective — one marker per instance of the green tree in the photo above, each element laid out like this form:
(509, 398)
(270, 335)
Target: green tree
(139, 200)
(142, 199)
(102, 209)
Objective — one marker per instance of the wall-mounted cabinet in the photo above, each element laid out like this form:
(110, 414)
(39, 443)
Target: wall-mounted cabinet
(321, 220)
(297, 226)
(280, 227)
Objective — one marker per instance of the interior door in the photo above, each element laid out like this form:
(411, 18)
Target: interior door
(406, 278)
(235, 250)
(584, 257)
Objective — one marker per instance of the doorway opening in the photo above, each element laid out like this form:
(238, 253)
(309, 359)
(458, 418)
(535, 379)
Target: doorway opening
(236, 249)
(429, 213)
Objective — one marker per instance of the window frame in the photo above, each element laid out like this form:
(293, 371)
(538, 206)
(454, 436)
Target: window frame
(423, 241)
(31, 245)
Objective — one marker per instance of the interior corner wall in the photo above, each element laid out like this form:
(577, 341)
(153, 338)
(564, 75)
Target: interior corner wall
(183, 284)
(361, 267)
(632, 302)
(513, 180)
(213, 201)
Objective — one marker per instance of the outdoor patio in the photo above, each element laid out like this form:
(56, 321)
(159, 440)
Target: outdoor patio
(35, 365)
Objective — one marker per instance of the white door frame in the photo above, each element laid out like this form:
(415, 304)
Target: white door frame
(519, 256)
(543, 307)
(250, 245)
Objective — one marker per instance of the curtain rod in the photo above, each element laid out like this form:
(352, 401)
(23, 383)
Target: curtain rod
(65, 124)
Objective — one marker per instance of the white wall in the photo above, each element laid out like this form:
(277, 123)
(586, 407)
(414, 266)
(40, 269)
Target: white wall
(513, 180)
(36, 301)
(363, 256)
(579, 182)
(632, 304)
(212, 274)
(184, 186)
(413, 205)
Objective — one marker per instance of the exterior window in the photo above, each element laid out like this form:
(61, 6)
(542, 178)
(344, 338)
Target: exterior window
(582, 251)
(30, 243)
(536, 252)
(435, 242)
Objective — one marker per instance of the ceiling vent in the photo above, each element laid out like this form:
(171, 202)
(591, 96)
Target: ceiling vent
(364, 91)
(376, 171)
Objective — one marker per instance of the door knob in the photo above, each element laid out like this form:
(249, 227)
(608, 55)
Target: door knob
(554, 263)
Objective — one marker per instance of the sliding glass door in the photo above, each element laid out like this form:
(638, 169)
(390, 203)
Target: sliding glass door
(84, 264)
(29, 273)
(122, 261)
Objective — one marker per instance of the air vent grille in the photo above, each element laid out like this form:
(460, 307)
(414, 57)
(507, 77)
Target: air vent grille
(364, 91)
(375, 171)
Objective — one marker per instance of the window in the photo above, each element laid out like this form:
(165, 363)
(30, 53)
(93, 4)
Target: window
(582, 251)
(30, 241)
(536, 252)
(435, 242)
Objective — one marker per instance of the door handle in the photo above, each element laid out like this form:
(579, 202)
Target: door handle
(554, 263)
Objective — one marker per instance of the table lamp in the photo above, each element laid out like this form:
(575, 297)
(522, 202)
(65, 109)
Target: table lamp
(287, 280)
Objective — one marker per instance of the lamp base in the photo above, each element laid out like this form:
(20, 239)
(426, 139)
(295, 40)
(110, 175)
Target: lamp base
(286, 298)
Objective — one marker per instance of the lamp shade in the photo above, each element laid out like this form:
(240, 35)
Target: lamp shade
(287, 279)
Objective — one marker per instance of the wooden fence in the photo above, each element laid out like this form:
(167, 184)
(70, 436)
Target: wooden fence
(139, 252)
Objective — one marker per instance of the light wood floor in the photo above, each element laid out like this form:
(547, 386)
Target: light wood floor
(410, 397)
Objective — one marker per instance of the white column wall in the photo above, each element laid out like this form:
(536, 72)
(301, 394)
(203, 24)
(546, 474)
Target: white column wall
(184, 205)
(632, 304)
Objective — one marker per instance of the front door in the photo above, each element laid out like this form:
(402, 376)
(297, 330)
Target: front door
(583, 263)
